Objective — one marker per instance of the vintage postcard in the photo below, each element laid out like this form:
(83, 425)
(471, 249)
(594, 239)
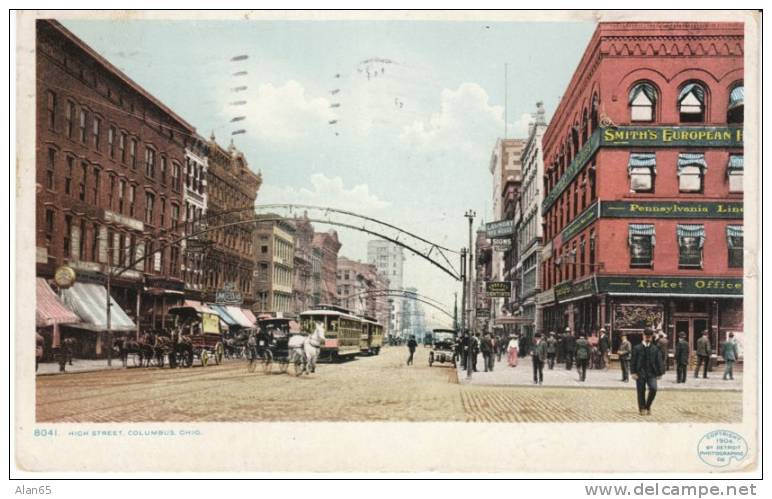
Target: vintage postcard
(387, 242)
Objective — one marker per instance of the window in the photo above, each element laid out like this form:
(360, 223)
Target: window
(111, 192)
(163, 169)
(51, 109)
(95, 131)
(734, 243)
(82, 125)
(94, 242)
(122, 147)
(734, 171)
(691, 239)
(70, 118)
(67, 234)
(68, 175)
(149, 200)
(642, 100)
(264, 249)
(691, 103)
(132, 199)
(641, 240)
(175, 215)
(162, 207)
(95, 187)
(133, 153)
(175, 176)
(83, 181)
(49, 226)
(111, 141)
(734, 112)
(50, 168)
(691, 169)
(121, 192)
(82, 241)
(641, 168)
(149, 162)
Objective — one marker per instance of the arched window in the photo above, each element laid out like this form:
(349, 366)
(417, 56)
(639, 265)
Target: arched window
(691, 103)
(734, 113)
(642, 101)
(594, 113)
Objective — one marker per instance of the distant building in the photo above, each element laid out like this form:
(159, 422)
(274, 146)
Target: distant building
(356, 284)
(194, 213)
(275, 260)
(305, 281)
(389, 259)
(328, 246)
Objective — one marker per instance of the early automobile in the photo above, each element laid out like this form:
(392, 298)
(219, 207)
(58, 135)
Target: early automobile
(443, 347)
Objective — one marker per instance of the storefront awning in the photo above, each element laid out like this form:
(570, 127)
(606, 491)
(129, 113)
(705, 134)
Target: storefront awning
(227, 315)
(199, 306)
(238, 316)
(89, 302)
(49, 309)
(249, 315)
(691, 159)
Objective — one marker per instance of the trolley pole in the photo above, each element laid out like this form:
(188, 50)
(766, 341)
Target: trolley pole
(470, 214)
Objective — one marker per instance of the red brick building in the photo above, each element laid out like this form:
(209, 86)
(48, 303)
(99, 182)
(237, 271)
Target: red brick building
(328, 245)
(643, 207)
(109, 162)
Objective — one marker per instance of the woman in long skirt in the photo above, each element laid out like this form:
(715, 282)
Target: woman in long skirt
(512, 352)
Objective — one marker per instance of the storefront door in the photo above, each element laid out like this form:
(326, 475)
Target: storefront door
(693, 327)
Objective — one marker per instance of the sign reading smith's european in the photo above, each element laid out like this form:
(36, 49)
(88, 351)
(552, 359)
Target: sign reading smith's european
(672, 136)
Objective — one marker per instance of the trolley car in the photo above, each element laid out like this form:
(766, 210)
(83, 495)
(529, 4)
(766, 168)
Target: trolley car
(343, 330)
(371, 340)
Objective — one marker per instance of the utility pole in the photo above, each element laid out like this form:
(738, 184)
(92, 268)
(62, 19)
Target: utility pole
(470, 214)
(455, 311)
(109, 305)
(463, 292)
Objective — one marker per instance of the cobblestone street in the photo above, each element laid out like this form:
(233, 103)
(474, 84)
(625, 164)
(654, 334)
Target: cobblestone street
(378, 388)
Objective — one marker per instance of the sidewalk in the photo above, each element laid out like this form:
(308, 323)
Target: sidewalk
(78, 366)
(522, 375)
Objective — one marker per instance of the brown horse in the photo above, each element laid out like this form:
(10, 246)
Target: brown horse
(66, 351)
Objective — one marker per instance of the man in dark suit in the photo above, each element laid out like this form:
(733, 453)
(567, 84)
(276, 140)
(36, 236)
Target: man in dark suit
(538, 356)
(703, 355)
(681, 357)
(604, 345)
(647, 366)
(551, 349)
(582, 356)
(662, 343)
(569, 343)
(624, 351)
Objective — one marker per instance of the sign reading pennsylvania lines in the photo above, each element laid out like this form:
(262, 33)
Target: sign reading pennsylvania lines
(500, 229)
(671, 209)
(499, 289)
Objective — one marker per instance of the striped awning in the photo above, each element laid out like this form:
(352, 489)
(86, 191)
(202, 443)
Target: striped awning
(691, 230)
(646, 88)
(736, 97)
(249, 315)
(692, 88)
(732, 232)
(224, 315)
(49, 309)
(89, 302)
(641, 230)
(238, 316)
(735, 162)
(642, 160)
(691, 159)
(199, 306)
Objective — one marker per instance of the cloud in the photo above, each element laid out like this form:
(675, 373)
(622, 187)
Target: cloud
(283, 113)
(324, 191)
(466, 124)
(520, 127)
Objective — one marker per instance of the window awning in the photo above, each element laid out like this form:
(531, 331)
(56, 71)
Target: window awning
(647, 90)
(689, 230)
(642, 160)
(735, 162)
(224, 315)
(641, 230)
(691, 159)
(199, 306)
(238, 316)
(732, 232)
(89, 302)
(249, 315)
(737, 97)
(49, 309)
(692, 88)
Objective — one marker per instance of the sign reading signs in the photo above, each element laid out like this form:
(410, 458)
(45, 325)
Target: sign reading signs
(499, 289)
(729, 286)
(502, 245)
(500, 229)
(671, 209)
(228, 295)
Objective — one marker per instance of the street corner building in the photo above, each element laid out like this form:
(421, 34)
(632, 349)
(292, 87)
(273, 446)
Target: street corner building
(643, 185)
(121, 181)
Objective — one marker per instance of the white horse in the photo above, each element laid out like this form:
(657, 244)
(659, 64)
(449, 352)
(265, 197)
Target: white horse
(305, 349)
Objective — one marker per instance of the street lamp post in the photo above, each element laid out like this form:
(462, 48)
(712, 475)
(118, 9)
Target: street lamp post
(463, 298)
(470, 214)
(109, 306)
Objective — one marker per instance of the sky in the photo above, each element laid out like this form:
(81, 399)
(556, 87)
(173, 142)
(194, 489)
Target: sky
(416, 108)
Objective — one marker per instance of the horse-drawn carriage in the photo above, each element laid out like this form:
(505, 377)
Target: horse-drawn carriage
(281, 341)
(198, 334)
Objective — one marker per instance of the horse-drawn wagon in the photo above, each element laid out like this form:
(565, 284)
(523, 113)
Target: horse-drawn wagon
(197, 333)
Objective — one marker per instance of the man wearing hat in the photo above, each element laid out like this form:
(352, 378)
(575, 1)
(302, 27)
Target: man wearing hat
(703, 355)
(662, 344)
(681, 357)
(730, 356)
(582, 356)
(604, 346)
(625, 348)
(538, 356)
(569, 343)
(646, 366)
(551, 349)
